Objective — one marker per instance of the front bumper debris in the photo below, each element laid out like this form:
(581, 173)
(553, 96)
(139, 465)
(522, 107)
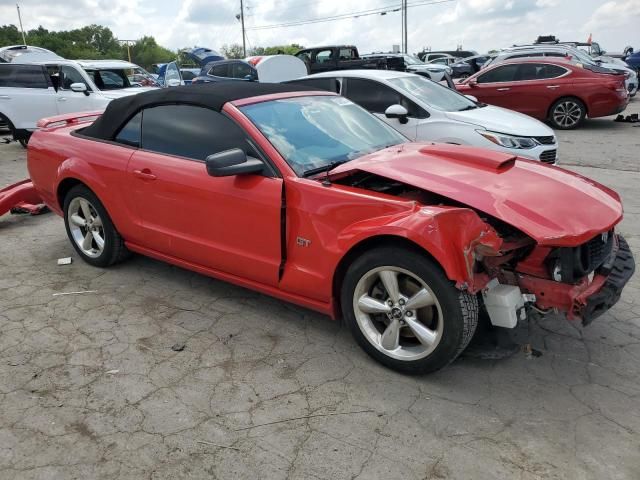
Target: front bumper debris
(620, 272)
(21, 197)
(589, 298)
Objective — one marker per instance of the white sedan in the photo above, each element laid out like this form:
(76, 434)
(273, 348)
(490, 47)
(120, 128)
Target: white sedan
(424, 110)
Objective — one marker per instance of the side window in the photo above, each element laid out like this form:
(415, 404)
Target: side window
(347, 54)
(528, 71)
(323, 56)
(505, 73)
(70, 76)
(219, 70)
(23, 76)
(551, 71)
(304, 56)
(191, 132)
(241, 70)
(323, 83)
(372, 96)
(376, 97)
(131, 133)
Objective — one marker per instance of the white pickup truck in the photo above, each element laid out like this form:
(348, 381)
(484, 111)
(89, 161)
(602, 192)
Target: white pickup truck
(35, 90)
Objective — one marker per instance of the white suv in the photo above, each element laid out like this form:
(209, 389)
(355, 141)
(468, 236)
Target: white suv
(31, 91)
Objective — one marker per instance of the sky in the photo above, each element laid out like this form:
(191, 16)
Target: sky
(475, 24)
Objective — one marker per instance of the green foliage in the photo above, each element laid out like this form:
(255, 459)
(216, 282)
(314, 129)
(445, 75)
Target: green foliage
(291, 49)
(90, 42)
(233, 50)
(146, 51)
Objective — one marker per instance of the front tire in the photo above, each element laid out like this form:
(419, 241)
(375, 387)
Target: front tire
(404, 312)
(91, 230)
(567, 113)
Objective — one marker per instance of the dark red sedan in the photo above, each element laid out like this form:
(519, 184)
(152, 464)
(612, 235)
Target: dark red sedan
(559, 91)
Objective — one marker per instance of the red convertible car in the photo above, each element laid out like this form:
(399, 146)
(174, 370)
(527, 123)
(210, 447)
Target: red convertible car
(305, 196)
(559, 91)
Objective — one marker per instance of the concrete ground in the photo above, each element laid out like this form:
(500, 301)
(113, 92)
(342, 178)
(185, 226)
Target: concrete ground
(90, 387)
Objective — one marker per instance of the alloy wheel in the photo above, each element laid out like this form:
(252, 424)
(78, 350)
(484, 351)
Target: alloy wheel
(398, 313)
(567, 114)
(86, 227)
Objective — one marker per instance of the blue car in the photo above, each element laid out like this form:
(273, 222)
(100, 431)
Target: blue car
(633, 60)
(225, 70)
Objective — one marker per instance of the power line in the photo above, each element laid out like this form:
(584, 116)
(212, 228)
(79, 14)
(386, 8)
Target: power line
(362, 13)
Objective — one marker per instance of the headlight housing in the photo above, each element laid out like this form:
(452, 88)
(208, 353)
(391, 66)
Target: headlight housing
(509, 141)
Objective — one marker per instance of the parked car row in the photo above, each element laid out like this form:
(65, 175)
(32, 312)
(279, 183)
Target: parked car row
(326, 206)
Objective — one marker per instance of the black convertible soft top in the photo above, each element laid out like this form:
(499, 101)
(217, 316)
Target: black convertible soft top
(209, 95)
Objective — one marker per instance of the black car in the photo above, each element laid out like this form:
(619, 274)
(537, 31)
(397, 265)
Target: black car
(225, 70)
(468, 66)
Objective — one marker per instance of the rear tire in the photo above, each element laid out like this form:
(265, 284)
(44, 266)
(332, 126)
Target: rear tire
(567, 113)
(91, 230)
(424, 328)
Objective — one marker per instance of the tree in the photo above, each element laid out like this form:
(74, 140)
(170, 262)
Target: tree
(233, 50)
(90, 42)
(10, 35)
(291, 49)
(146, 51)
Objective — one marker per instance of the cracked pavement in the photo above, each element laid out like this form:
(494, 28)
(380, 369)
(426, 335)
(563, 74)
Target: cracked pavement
(90, 386)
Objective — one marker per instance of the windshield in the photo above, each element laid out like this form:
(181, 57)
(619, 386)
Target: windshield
(320, 131)
(411, 60)
(109, 79)
(433, 94)
(582, 56)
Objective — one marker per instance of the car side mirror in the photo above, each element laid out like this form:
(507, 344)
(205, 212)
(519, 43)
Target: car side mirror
(232, 162)
(472, 98)
(397, 111)
(250, 78)
(79, 87)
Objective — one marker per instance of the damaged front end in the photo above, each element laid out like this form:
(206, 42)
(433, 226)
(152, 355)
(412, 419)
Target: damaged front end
(581, 282)
(514, 273)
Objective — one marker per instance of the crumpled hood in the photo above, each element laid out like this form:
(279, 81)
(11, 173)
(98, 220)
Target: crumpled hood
(502, 120)
(125, 92)
(553, 206)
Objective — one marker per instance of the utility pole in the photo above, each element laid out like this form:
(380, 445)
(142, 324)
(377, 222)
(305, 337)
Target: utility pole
(244, 42)
(404, 26)
(24, 40)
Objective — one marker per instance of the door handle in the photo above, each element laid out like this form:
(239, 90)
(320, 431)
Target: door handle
(62, 99)
(5, 97)
(553, 86)
(144, 174)
(503, 89)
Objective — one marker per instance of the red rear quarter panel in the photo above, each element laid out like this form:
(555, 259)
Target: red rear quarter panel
(55, 155)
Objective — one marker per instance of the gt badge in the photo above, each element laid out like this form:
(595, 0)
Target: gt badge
(303, 242)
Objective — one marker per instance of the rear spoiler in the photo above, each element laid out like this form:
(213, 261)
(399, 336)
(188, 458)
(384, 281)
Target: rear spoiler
(69, 119)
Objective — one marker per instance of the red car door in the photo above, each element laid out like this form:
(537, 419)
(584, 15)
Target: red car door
(230, 224)
(537, 85)
(494, 86)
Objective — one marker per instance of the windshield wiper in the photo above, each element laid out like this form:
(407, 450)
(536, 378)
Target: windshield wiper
(325, 168)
